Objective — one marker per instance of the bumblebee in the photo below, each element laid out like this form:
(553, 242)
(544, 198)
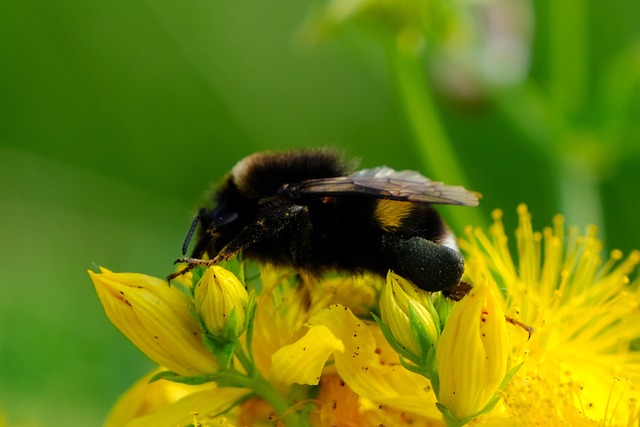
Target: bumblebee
(309, 210)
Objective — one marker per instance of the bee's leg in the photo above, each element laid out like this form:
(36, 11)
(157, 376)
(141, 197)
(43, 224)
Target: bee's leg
(246, 238)
(185, 270)
(276, 217)
(430, 266)
(191, 264)
(524, 326)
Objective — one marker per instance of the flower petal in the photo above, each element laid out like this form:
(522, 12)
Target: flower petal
(361, 365)
(472, 353)
(302, 362)
(156, 317)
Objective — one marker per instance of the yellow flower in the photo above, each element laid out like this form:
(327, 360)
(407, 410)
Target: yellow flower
(362, 358)
(472, 353)
(221, 301)
(580, 367)
(156, 318)
(399, 297)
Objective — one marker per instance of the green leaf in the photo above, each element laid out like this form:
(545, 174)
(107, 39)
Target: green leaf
(226, 378)
(191, 379)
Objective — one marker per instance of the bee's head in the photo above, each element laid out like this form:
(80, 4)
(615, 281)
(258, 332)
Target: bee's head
(217, 228)
(219, 225)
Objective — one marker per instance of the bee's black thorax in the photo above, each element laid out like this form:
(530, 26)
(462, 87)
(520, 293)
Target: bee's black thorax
(259, 176)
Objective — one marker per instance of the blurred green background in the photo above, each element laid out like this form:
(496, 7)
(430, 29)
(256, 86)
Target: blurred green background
(116, 116)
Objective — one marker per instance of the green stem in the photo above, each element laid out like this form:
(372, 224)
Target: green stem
(579, 181)
(436, 151)
(579, 193)
(290, 416)
(255, 381)
(568, 62)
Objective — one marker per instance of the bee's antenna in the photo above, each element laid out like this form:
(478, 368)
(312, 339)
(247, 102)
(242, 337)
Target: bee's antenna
(194, 224)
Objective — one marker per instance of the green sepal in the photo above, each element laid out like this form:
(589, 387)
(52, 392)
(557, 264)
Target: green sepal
(249, 318)
(425, 367)
(410, 366)
(196, 275)
(397, 347)
(452, 421)
(447, 416)
(230, 332)
(443, 307)
(432, 370)
(222, 349)
(509, 375)
(419, 332)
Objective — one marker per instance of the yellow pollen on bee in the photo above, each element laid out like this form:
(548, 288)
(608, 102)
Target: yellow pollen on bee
(391, 213)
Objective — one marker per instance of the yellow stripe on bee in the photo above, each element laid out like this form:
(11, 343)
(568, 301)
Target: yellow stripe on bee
(391, 213)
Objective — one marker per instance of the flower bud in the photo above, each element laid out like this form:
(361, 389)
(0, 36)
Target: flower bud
(471, 354)
(156, 318)
(401, 302)
(221, 301)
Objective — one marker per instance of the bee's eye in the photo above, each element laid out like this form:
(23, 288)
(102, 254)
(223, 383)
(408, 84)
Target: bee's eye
(222, 215)
(221, 220)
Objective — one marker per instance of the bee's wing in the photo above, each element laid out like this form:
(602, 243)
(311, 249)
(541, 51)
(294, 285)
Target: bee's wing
(385, 183)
